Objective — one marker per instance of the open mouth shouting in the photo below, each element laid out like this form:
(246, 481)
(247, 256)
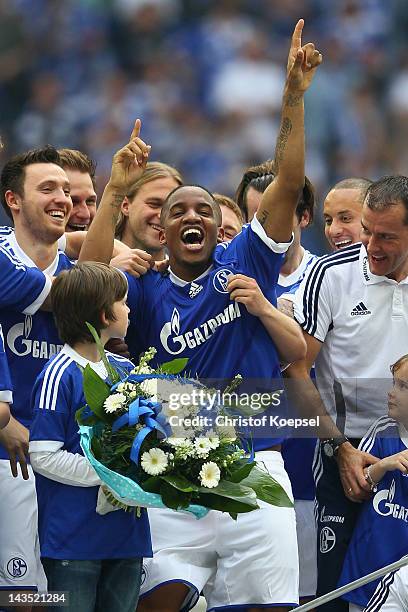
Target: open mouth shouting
(193, 238)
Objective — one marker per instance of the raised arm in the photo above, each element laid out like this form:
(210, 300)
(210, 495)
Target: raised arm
(280, 199)
(127, 166)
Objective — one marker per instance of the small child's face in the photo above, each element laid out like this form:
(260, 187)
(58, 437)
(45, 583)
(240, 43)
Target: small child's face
(118, 328)
(398, 396)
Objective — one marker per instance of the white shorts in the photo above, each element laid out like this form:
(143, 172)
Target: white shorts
(307, 545)
(252, 560)
(20, 565)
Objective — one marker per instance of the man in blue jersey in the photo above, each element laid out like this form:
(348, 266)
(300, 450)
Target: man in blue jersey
(188, 312)
(6, 396)
(36, 190)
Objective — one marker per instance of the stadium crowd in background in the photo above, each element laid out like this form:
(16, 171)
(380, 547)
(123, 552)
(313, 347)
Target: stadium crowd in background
(207, 79)
(76, 73)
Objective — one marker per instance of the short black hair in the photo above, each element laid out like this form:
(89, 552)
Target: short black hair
(13, 173)
(165, 207)
(260, 177)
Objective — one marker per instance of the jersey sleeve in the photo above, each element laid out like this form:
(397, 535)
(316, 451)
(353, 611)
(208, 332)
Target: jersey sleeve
(373, 441)
(256, 254)
(135, 290)
(312, 303)
(5, 378)
(51, 405)
(391, 594)
(21, 288)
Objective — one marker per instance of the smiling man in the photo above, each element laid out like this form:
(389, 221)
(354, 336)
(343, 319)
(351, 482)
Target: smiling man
(342, 212)
(138, 225)
(190, 312)
(36, 194)
(350, 301)
(80, 170)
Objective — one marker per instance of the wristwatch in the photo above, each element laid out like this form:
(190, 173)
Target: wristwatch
(332, 445)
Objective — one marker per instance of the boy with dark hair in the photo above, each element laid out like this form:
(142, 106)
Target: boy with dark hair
(98, 559)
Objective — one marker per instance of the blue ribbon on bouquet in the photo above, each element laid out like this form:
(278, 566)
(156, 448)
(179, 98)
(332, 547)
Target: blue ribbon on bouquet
(153, 419)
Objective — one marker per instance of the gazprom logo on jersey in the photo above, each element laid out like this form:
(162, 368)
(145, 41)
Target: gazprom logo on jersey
(220, 280)
(383, 504)
(175, 342)
(21, 345)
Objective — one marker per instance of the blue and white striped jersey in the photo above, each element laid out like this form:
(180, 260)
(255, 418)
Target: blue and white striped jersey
(380, 536)
(391, 595)
(69, 526)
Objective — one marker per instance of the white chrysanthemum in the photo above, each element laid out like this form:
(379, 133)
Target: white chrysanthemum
(121, 387)
(154, 461)
(202, 446)
(214, 441)
(149, 387)
(114, 402)
(210, 475)
(175, 441)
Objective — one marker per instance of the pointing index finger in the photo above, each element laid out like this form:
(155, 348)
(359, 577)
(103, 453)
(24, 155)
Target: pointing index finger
(297, 35)
(136, 129)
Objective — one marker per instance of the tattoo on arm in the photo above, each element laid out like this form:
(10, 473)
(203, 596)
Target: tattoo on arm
(284, 134)
(116, 204)
(263, 217)
(294, 100)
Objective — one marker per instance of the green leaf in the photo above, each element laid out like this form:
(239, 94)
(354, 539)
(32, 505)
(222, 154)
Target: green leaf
(180, 482)
(173, 498)
(242, 472)
(96, 391)
(96, 448)
(152, 484)
(112, 373)
(175, 366)
(224, 504)
(239, 494)
(267, 488)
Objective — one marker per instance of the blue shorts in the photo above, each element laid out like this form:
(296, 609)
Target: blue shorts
(336, 518)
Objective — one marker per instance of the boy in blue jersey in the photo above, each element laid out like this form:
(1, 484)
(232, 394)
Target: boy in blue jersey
(97, 559)
(188, 312)
(6, 396)
(380, 536)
